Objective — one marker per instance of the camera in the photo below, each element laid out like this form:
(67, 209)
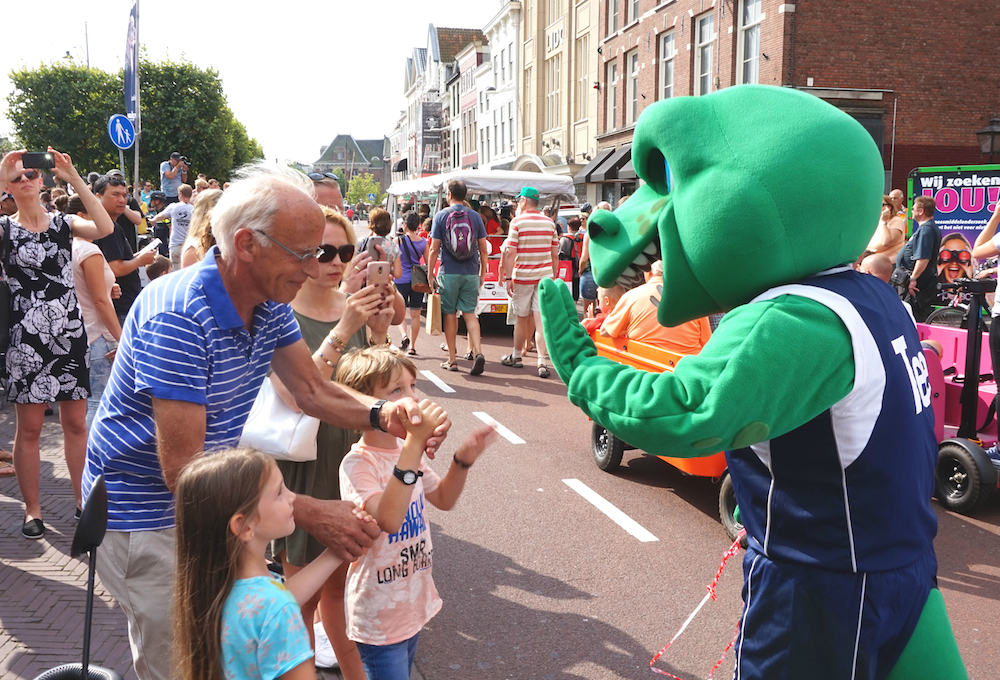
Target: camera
(185, 161)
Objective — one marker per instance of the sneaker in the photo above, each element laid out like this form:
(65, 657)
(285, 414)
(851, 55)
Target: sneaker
(993, 452)
(33, 529)
(325, 658)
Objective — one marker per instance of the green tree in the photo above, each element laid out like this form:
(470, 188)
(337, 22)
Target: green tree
(361, 187)
(67, 106)
(184, 109)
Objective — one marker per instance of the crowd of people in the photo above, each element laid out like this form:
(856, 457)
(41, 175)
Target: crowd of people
(265, 278)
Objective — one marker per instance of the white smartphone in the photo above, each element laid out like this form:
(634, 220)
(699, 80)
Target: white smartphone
(152, 245)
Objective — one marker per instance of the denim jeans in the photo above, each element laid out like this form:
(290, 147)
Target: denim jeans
(100, 369)
(389, 662)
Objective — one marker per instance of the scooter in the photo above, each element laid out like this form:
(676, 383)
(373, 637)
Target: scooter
(89, 533)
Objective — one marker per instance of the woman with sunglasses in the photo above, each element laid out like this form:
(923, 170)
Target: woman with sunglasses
(955, 261)
(331, 321)
(48, 355)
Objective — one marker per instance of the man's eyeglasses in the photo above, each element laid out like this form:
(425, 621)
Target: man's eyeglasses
(27, 175)
(318, 253)
(330, 252)
(962, 256)
(320, 176)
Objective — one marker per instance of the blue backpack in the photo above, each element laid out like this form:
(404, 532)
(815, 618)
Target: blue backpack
(459, 234)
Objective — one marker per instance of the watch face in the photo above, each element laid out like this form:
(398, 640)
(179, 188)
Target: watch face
(409, 477)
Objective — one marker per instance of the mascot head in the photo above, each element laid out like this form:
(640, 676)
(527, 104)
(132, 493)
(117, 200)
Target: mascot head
(747, 188)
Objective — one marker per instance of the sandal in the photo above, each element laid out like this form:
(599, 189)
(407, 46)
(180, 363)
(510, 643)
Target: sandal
(543, 371)
(477, 368)
(6, 469)
(406, 343)
(6, 456)
(469, 356)
(444, 347)
(412, 352)
(450, 365)
(512, 361)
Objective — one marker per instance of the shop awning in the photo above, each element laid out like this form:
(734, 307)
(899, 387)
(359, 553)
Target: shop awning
(608, 171)
(627, 172)
(400, 166)
(583, 177)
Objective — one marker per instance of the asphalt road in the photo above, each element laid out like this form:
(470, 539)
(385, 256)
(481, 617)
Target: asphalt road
(538, 583)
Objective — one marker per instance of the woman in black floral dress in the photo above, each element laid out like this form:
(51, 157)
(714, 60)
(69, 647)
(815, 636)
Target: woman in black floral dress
(48, 357)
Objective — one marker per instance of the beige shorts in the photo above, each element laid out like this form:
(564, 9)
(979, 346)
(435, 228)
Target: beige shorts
(524, 299)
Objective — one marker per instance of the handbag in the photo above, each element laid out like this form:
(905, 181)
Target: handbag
(433, 326)
(277, 430)
(419, 281)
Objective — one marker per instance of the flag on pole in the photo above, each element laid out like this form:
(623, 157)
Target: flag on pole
(131, 65)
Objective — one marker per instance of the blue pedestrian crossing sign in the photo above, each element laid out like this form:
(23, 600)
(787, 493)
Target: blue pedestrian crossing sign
(371, 197)
(121, 131)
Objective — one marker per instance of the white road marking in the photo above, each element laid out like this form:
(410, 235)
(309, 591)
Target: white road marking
(619, 517)
(437, 381)
(501, 430)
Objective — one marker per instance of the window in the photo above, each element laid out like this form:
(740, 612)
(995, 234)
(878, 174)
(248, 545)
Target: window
(527, 102)
(703, 55)
(582, 75)
(610, 123)
(633, 11)
(612, 16)
(503, 131)
(503, 66)
(510, 119)
(553, 69)
(632, 93)
(496, 137)
(750, 37)
(555, 11)
(486, 146)
(668, 50)
(496, 68)
(510, 59)
(527, 19)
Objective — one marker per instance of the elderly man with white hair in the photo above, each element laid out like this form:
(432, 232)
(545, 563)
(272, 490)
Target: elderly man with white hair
(634, 317)
(194, 352)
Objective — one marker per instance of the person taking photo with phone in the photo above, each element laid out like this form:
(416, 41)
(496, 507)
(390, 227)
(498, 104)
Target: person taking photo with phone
(47, 357)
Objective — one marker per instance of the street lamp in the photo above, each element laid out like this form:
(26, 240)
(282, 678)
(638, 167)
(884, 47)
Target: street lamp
(989, 137)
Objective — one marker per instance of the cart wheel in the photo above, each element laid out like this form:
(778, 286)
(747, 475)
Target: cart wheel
(727, 506)
(607, 448)
(947, 316)
(961, 483)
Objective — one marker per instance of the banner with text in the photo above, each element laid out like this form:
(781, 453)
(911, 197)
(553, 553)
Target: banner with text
(965, 197)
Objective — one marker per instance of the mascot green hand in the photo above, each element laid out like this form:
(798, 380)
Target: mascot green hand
(757, 199)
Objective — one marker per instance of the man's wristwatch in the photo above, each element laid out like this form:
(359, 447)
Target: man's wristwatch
(408, 477)
(373, 416)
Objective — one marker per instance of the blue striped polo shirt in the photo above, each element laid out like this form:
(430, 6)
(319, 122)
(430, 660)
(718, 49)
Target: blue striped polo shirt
(183, 340)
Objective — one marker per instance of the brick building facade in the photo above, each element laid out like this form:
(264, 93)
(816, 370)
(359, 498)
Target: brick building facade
(918, 86)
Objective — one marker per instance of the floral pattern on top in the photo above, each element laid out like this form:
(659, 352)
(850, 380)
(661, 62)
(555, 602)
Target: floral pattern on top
(48, 358)
(263, 635)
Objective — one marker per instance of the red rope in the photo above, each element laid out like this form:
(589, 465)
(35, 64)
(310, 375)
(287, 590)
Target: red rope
(733, 550)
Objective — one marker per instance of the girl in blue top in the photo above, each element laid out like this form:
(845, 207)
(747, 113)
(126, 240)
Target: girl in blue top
(232, 617)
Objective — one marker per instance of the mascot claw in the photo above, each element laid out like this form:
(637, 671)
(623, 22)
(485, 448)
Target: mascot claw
(567, 340)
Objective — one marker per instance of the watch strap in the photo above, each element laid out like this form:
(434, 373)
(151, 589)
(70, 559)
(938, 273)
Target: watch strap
(401, 474)
(373, 415)
(464, 466)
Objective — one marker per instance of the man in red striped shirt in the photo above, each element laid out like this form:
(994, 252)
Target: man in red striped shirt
(533, 244)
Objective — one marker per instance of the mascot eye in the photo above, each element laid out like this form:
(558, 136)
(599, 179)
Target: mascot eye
(668, 175)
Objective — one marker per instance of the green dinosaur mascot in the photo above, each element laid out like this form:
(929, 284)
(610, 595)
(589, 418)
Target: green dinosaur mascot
(814, 382)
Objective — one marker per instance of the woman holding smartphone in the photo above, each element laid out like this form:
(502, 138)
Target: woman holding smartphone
(48, 355)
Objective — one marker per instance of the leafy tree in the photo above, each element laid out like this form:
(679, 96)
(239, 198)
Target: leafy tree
(339, 172)
(361, 187)
(67, 106)
(184, 109)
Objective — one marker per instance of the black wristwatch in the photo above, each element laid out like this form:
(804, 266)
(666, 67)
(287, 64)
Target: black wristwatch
(408, 477)
(373, 416)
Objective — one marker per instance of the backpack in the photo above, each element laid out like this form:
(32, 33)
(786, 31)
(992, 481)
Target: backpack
(459, 234)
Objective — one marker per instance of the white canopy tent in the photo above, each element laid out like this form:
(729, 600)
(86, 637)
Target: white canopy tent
(500, 182)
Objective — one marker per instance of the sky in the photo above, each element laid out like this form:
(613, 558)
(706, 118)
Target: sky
(296, 72)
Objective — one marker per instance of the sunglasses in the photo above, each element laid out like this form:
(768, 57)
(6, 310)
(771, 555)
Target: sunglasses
(329, 252)
(320, 176)
(28, 175)
(963, 256)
